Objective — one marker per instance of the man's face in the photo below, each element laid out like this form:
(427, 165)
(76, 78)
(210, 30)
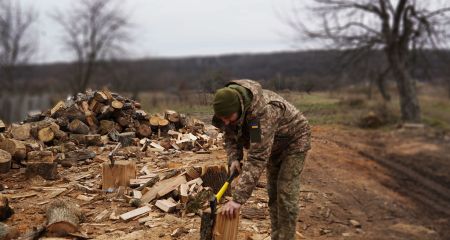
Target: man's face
(230, 120)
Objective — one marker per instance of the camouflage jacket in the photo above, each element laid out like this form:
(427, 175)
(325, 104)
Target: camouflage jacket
(269, 124)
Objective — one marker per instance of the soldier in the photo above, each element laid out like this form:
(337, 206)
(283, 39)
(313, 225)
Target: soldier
(277, 137)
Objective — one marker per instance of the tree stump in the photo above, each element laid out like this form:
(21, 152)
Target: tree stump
(5, 209)
(41, 163)
(7, 232)
(206, 225)
(5, 161)
(225, 228)
(63, 218)
(118, 175)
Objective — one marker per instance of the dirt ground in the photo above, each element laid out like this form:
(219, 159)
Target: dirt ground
(357, 184)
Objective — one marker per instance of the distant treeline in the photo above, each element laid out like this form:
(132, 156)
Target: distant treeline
(302, 70)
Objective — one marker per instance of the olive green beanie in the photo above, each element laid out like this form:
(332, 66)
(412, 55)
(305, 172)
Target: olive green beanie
(226, 102)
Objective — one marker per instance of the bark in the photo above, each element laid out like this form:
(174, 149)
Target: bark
(409, 103)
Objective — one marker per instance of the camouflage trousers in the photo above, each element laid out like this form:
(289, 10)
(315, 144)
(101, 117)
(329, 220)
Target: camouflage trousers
(283, 187)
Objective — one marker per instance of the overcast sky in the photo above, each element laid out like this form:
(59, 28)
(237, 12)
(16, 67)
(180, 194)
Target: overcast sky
(167, 28)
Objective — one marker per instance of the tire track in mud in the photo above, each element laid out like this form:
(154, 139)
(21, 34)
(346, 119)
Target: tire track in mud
(425, 190)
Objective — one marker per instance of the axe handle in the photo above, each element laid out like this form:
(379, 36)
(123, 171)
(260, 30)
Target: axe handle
(225, 186)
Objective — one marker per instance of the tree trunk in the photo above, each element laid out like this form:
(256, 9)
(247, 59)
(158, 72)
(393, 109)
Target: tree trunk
(409, 103)
(381, 84)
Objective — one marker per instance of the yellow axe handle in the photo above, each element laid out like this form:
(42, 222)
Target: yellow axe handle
(222, 191)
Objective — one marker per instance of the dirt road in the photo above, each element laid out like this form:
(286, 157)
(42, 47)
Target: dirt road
(357, 184)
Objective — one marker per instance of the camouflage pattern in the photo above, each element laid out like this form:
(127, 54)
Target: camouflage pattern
(284, 140)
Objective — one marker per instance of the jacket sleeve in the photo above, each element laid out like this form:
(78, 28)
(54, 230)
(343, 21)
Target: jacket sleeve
(258, 154)
(234, 149)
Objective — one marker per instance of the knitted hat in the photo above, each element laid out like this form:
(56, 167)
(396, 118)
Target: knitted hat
(226, 102)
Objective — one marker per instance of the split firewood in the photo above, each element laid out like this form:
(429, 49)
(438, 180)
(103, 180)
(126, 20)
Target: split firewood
(166, 205)
(149, 183)
(254, 213)
(134, 213)
(117, 104)
(16, 148)
(141, 115)
(5, 161)
(77, 126)
(163, 187)
(59, 106)
(74, 112)
(184, 196)
(63, 218)
(100, 97)
(34, 116)
(192, 173)
(5, 209)
(2, 126)
(106, 126)
(172, 116)
(21, 132)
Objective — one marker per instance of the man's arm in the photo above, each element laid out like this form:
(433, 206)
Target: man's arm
(258, 154)
(235, 150)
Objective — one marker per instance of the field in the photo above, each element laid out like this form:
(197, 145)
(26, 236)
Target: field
(386, 182)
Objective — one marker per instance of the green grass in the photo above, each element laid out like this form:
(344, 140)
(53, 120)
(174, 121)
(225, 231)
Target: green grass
(340, 108)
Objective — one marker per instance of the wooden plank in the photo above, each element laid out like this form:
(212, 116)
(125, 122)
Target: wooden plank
(137, 194)
(134, 213)
(163, 187)
(118, 175)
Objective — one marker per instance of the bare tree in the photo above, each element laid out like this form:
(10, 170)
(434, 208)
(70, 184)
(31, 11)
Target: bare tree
(16, 43)
(95, 30)
(397, 27)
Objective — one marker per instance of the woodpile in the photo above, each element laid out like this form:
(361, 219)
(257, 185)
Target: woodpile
(98, 118)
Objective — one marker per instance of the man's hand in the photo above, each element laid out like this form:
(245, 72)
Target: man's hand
(235, 166)
(231, 209)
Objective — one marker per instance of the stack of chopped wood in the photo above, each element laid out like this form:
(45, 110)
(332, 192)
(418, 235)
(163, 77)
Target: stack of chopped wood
(65, 133)
(177, 190)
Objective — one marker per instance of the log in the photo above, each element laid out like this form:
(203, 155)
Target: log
(63, 218)
(154, 122)
(7, 232)
(106, 126)
(94, 140)
(118, 175)
(5, 209)
(16, 148)
(206, 225)
(41, 156)
(225, 228)
(46, 135)
(21, 132)
(184, 196)
(79, 155)
(141, 115)
(77, 126)
(144, 131)
(117, 105)
(172, 116)
(5, 161)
